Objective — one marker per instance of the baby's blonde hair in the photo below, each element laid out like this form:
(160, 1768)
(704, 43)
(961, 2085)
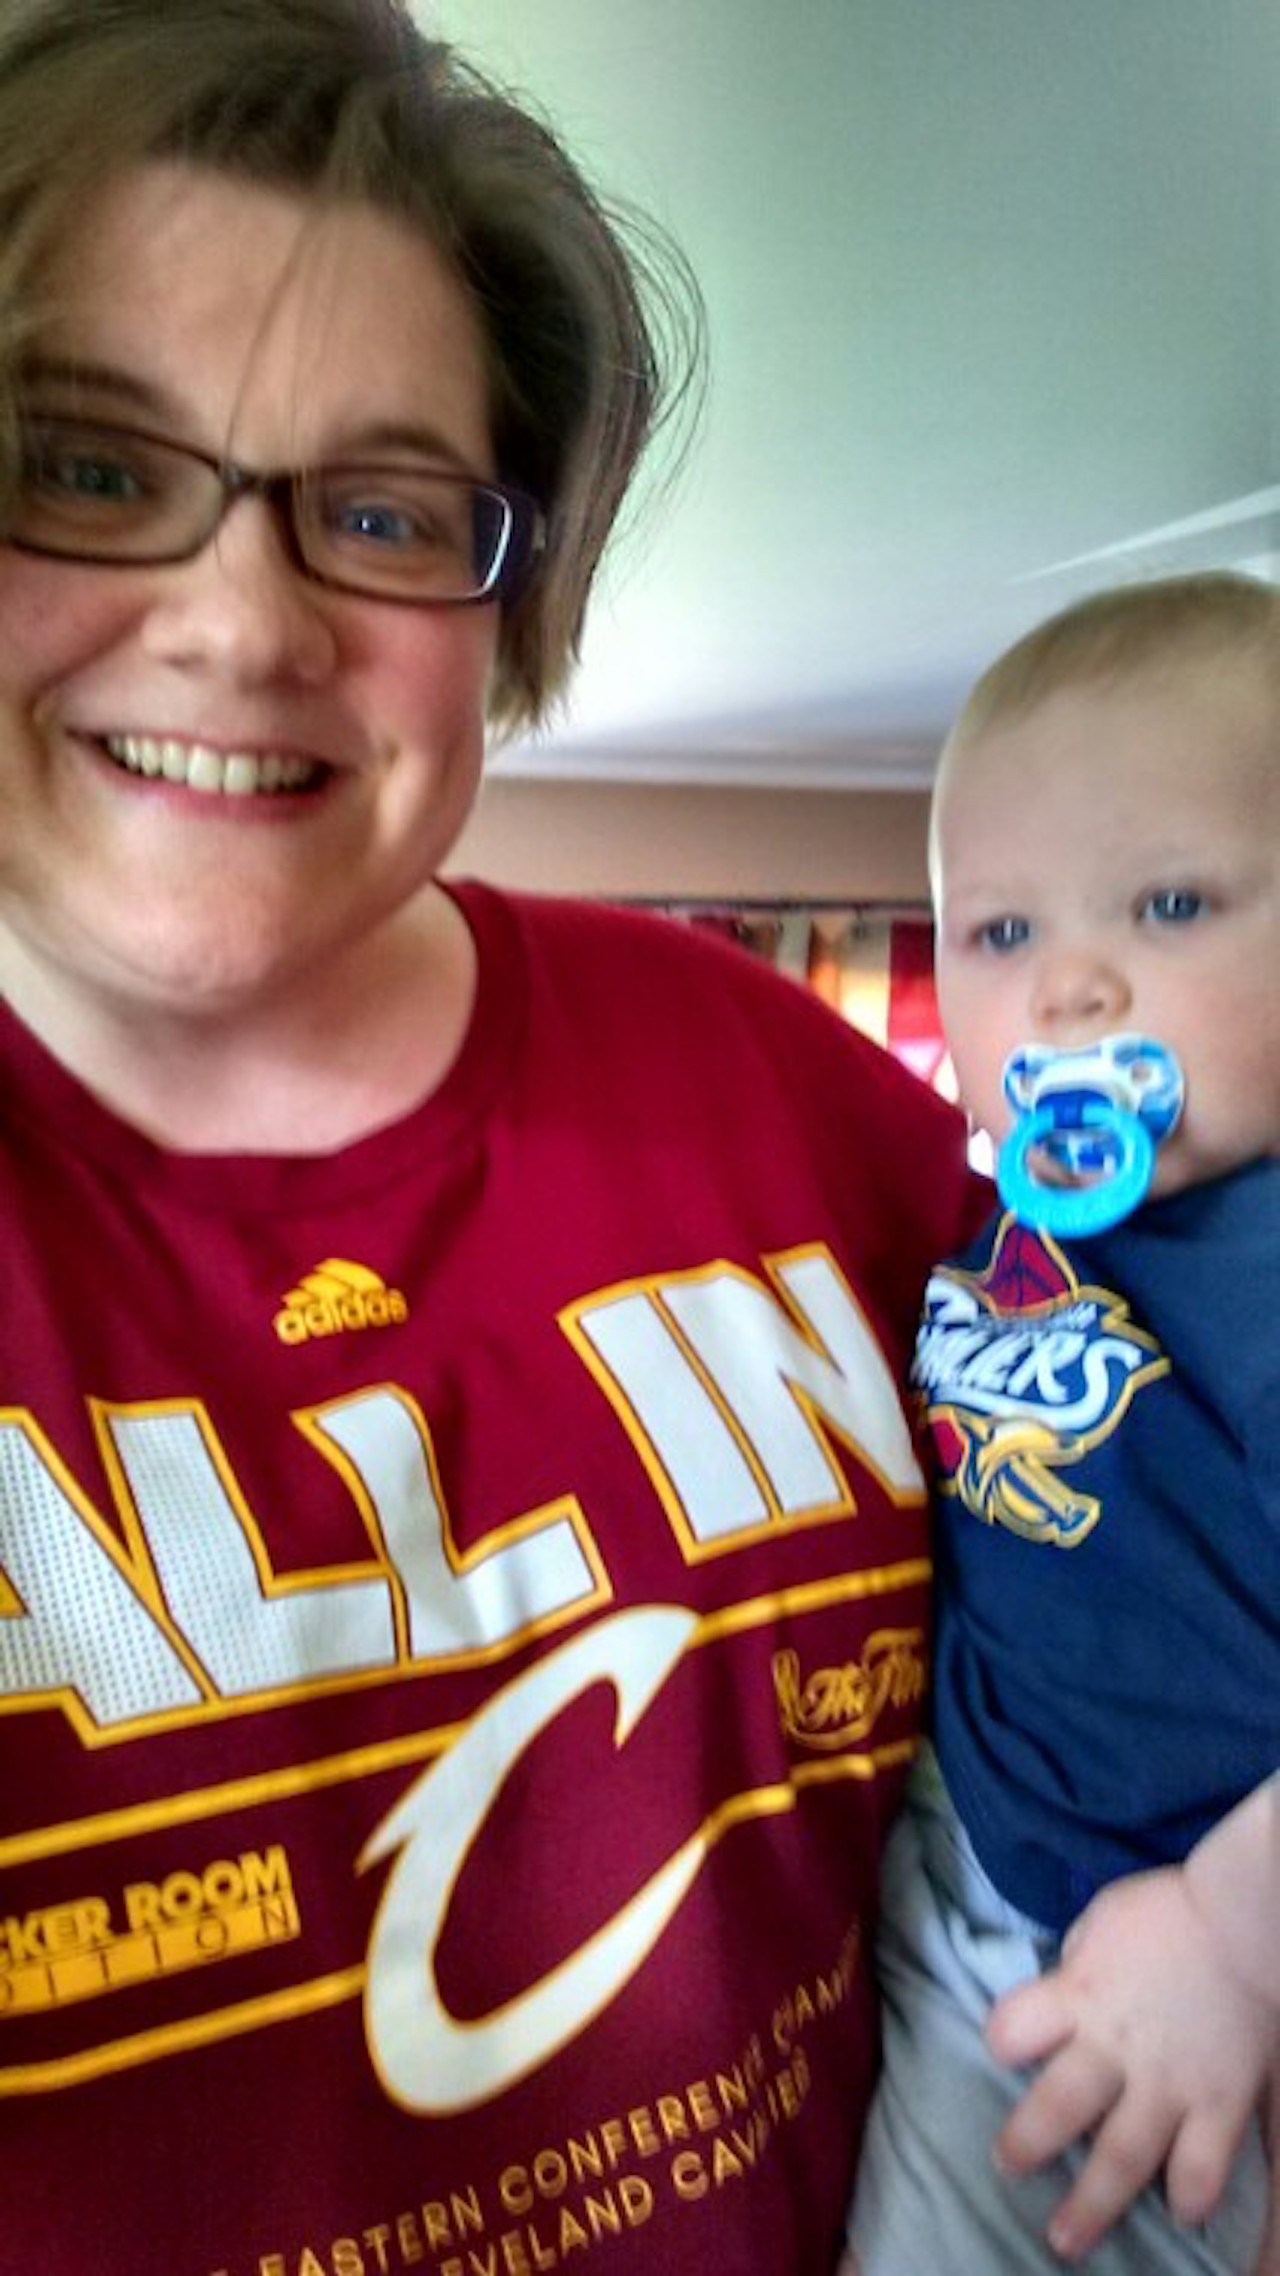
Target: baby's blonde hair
(1216, 617)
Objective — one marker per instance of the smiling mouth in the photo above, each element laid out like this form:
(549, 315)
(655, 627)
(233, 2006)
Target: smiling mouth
(215, 774)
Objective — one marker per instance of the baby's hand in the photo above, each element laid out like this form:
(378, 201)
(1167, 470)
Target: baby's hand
(1150, 2044)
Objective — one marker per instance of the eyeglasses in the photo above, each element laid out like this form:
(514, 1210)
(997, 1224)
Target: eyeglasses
(94, 492)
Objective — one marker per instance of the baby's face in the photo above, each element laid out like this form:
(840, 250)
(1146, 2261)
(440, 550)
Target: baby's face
(1111, 860)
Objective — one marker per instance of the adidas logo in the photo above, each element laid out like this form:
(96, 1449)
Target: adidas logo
(338, 1296)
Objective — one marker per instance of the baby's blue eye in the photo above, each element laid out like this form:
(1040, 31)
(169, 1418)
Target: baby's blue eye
(1003, 934)
(1173, 905)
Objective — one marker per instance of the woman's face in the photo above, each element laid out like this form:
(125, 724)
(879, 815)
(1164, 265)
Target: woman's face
(228, 317)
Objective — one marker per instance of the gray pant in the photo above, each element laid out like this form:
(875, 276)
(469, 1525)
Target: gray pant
(929, 2202)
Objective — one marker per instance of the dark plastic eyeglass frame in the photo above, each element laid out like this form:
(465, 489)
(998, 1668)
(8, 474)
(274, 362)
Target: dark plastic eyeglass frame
(278, 489)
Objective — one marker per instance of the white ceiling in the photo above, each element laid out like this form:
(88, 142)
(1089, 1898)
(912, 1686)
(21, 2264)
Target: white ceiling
(992, 294)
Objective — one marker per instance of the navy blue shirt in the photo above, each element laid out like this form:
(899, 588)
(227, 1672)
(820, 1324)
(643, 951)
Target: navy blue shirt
(1106, 1418)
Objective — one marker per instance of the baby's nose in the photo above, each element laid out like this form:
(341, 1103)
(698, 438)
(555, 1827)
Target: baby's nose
(1077, 986)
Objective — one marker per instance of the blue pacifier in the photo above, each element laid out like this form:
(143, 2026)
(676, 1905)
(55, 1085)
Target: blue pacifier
(1098, 1114)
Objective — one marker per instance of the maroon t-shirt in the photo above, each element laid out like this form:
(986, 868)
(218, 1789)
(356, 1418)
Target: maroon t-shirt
(462, 1608)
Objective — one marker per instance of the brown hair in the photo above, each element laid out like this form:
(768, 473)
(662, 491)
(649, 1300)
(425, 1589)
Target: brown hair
(1122, 633)
(592, 321)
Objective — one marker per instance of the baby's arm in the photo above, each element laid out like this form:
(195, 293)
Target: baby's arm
(1159, 2032)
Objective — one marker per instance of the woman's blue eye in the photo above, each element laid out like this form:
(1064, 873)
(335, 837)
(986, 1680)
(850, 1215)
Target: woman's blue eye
(77, 474)
(1173, 905)
(1003, 934)
(380, 524)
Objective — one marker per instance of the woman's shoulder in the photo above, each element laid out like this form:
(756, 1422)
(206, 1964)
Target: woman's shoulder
(634, 956)
(632, 984)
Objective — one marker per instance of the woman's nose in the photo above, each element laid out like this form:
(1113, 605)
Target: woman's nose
(240, 607)
(1077, 987)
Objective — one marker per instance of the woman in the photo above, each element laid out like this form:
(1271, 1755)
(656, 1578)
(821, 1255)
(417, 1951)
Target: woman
(461, 1553)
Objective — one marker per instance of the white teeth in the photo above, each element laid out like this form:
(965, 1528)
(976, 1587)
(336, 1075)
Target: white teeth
(241, 776)
(207, 770)
(197, 766)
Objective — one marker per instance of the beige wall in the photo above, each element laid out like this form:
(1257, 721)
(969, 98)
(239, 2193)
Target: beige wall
(623, 840)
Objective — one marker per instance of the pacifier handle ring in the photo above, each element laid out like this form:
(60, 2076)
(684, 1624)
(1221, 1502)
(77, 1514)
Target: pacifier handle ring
(1082, 1209)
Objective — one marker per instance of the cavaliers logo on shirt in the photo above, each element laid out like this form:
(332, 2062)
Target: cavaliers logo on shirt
(1022, 1369)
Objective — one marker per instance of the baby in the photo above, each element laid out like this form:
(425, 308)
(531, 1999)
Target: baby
(1105, 1414)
